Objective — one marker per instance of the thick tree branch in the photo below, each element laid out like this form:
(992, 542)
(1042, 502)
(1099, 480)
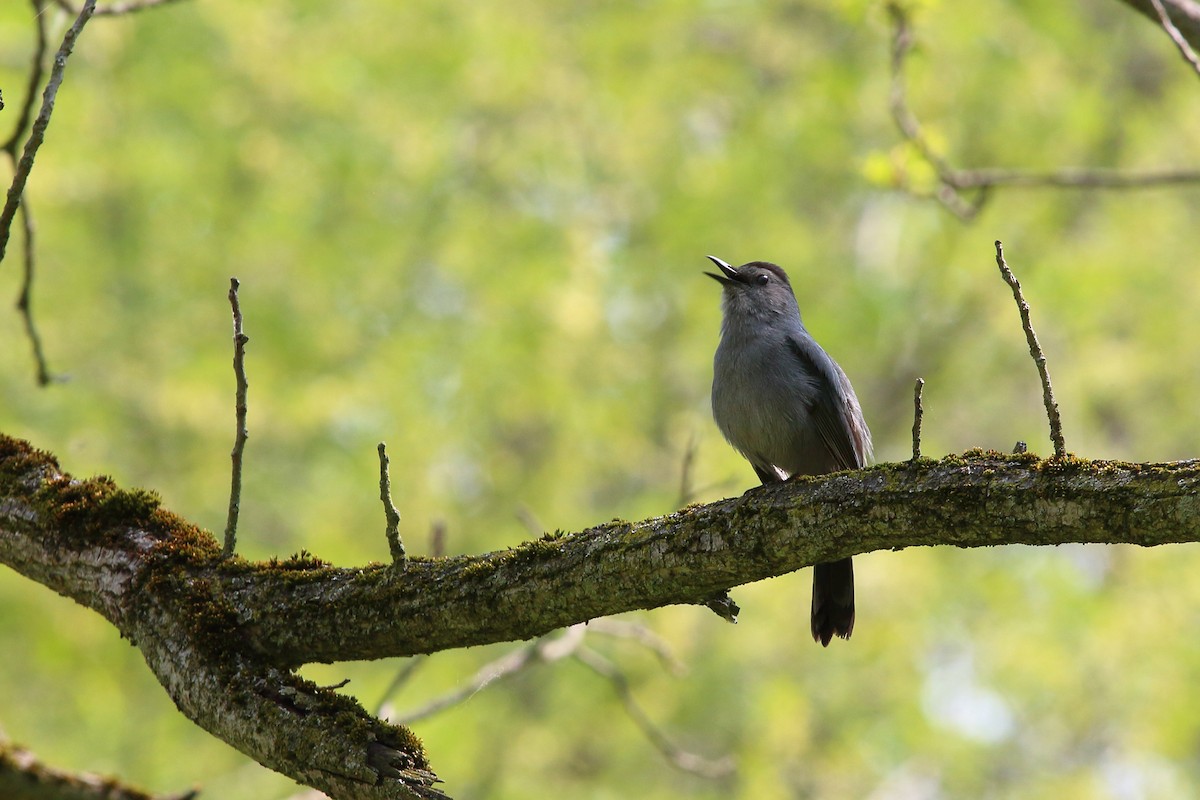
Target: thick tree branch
(222, 634)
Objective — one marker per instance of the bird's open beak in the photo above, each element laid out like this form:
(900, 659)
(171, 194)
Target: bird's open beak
(730, 275)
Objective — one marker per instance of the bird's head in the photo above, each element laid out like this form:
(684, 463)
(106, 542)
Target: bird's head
(758, 288)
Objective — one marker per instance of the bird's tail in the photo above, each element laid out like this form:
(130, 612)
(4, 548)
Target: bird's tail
(833, 601)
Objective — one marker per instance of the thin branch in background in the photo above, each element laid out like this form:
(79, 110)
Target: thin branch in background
(953, 182)
(529, 519)
(680, 758)
(910, 128)
(395, 545)
(509, 664)
(25, 299)
(37, 133)
(239, 442)
(1070, 178)
(623, 629)
(401, 679)
(1185, 49)
(918, 416)
(570, 644)
(1035, 350)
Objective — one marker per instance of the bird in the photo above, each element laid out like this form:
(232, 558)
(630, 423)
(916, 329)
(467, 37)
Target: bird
(783, 403)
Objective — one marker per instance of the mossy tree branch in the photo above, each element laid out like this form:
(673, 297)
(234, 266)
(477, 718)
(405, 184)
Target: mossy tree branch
(223, 635)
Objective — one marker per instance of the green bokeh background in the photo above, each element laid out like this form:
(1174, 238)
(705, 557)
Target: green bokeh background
(476, 232)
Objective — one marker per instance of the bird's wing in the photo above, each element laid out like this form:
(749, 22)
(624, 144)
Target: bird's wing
(834, 408)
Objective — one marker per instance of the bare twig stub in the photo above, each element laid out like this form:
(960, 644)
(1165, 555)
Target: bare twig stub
(239, 442)
(395, 545)
(918, 416)
(1035, 350)
(953, 182)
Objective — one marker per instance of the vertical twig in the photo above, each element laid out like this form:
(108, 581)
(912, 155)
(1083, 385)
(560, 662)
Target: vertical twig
(918, 416)
(437, 538)
(239, 441)
(686, 491)
(1035, 350)
(395, 545)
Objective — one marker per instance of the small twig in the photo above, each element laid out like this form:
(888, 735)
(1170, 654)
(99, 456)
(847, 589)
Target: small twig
(37, 133)
(437, 538)
(395, 545)
(680, 758)
(918, 416)
(687, 492)
(239, 442)
(1035, 350)
(1185, 49)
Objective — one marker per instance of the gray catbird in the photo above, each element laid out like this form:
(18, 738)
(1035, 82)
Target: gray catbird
(787, 407)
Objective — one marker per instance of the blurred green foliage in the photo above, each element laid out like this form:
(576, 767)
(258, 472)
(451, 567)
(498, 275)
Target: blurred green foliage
(476, 232)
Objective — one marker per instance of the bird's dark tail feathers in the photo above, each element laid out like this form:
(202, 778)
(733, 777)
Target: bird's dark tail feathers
(833, 601)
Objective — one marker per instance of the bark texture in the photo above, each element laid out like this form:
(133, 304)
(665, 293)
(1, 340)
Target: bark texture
(223, 635)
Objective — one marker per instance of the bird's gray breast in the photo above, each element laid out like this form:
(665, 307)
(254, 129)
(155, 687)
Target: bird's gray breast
(762, 403)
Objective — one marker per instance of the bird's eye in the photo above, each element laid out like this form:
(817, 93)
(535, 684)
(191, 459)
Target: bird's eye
(762, 280)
